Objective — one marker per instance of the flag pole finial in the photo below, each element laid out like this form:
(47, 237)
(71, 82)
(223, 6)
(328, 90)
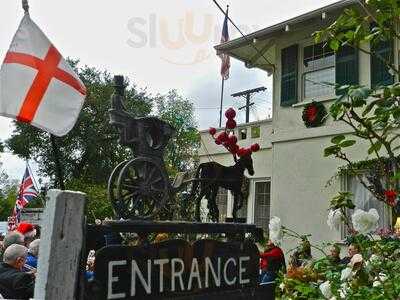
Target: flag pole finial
(25, 6)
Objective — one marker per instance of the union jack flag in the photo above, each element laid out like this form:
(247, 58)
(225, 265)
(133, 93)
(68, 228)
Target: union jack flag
(226, 61)
(27, 192)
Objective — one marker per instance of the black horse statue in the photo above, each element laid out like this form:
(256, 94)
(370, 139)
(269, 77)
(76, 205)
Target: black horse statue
(211, 176)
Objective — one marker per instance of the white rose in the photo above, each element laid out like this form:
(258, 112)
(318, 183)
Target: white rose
(334, 219)
(365, 222)
(325, 289)
(282, 286)
(346, 274)
(382, 277)
(376, 283)
(275, 230)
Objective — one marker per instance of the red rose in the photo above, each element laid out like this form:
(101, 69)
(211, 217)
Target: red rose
(218, 142)
(231, 124)
(391, 196)
(212, 131)
(311, 113)
(222, 137)
(230, 113)
(255, 147)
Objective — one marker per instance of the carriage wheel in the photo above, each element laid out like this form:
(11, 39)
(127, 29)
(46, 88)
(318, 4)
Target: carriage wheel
(142, 189)
(112, 189)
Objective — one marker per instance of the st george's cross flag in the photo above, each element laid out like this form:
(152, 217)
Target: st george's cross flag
(37, 85)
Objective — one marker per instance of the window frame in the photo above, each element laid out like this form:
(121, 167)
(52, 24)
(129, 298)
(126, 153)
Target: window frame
(303, 72)
(254, 208)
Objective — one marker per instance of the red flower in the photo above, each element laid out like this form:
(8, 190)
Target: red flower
(231, 124)
(222, 137)
(212, 131)
(311, 113)
(244, 152)
(391, 196)
(230, 113)
(255, 147)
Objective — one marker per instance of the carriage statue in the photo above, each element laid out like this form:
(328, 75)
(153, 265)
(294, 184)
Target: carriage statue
(139, 188)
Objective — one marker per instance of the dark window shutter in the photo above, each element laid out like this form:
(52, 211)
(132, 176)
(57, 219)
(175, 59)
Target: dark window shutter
(379, 71)
(289, 75)
(346, 69)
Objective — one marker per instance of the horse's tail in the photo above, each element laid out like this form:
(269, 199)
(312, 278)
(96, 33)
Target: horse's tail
(195, 184)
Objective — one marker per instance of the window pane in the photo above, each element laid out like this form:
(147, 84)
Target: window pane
(222, 201)
(315, 83)
(262, 204)
(255, 132)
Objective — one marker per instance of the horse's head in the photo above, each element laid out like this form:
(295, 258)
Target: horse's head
(247, 163)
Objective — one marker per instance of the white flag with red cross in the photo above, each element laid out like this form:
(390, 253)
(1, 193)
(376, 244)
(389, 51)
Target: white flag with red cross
(37, 85)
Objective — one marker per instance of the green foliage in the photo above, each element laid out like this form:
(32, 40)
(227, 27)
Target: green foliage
(97, 204)
(376, 278)
(181, 153)
(8, 195)
(372, 113)
(342, 200)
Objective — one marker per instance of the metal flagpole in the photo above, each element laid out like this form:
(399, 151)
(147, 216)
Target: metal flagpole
(222, 98)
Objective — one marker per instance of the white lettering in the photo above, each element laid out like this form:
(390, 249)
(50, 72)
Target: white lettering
(175, 273)
(136, 270)
(112, 279)
(229, 282)
(161, 263)
(194, 273)
(209, 266)
(242, 270)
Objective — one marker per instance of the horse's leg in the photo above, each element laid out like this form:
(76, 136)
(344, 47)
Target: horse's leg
(198, 204)
(213, 204)
(236, 204)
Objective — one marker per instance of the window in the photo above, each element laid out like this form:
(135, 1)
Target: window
(255, 132)
(262, 203)
(380, 74)
(243, 134)
(364, 200)
(318, 71)
(222, 202)
(289, 65)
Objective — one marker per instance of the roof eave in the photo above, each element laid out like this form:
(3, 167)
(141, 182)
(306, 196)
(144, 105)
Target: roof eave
(269, 31)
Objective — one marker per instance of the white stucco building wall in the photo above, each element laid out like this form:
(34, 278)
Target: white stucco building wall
(291, 155)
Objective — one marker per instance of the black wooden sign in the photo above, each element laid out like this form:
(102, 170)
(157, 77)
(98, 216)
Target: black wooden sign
(175, 268)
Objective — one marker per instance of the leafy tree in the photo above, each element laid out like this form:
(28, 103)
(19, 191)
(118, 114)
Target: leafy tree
(181, 152)
(3, 178)
(372, 112)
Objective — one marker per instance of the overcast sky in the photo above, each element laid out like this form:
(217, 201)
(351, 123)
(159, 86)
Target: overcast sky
(160, 45)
